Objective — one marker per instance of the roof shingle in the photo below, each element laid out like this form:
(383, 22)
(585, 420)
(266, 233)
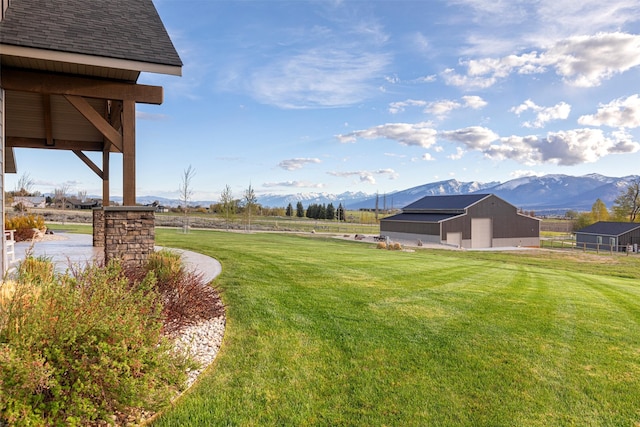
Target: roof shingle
(609, 228)
(445, 203)
(119, 29)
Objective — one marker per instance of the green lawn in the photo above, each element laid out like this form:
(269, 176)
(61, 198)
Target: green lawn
(328, 332)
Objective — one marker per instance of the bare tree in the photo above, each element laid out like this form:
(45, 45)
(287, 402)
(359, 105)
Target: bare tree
(186, 191)
(24, 185)
(226, 200)
(60, 195)
(82, 195)
(250, 200)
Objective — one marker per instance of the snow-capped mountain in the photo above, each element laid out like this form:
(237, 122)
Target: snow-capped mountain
(548, 193)
(402, 198)
(278, 200)
(561, 192)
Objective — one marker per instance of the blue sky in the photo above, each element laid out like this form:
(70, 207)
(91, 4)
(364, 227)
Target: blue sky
(379, 96)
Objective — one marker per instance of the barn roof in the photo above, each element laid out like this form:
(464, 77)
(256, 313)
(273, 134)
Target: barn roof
(606, 228)
(421, 217)
(457, 202)
(129, 31)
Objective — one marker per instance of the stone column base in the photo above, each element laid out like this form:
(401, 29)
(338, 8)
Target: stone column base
(129, 234)
(98, 227)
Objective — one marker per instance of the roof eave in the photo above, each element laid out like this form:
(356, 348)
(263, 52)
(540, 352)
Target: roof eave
(91, 60)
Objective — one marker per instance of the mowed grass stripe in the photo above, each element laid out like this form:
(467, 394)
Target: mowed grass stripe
(325, 332)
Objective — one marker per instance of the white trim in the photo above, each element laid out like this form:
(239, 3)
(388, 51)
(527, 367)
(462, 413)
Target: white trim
(97, 61)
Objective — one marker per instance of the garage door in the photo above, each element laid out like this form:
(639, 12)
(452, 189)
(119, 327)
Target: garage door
(481, 232)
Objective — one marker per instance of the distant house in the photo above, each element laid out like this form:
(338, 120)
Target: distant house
(606, 235)
(29, 201)
(74, 203)
(467, 221)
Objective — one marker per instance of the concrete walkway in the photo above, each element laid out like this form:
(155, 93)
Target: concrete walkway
(70, 249)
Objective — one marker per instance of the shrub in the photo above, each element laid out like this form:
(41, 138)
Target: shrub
(25, 225)
(397, 246)
(79, 348)
(381, 245)
(185, 297)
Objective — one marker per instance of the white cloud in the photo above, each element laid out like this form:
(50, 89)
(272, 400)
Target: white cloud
(474, 101)
(295, 184)
(559, 111)
(565, 148)
(442, 108)
(428, 157)
(582, 61)
(319, 77)
(474, 137)
(366, 176)
(524, 173)
(439, 108)
(297, 163)
(621, 112)
(458, 154)
(396, 107)
(411, 134)
(500, 26)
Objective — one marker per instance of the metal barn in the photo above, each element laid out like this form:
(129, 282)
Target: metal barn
(467, 221)
(606, 235)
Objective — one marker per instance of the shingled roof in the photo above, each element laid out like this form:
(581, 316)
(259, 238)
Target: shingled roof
(129, 30)
(605, 228)
(448, 203)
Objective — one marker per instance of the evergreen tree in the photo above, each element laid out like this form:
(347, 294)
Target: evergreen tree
(289, 211)
(340, 213)
(300, 210)
(331, 212)
(322, 212)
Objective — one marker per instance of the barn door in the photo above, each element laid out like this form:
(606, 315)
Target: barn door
(481, 232)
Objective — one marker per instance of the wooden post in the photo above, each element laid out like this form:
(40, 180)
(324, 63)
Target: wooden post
(106, 196)
(129, 153)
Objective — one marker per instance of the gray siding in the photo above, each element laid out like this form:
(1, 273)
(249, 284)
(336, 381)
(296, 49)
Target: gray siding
(508, 227)
(507, 223)
(406, 227)
(591, 241)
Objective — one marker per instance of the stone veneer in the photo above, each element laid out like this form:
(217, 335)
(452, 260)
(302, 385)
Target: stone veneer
(98, 227)
(129, 233)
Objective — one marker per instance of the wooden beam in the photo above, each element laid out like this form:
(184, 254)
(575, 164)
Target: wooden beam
(58, 144)
(129, 153)
(105, 177)
(87, 161)
(55, 84)
(46, 109)
(84, 108)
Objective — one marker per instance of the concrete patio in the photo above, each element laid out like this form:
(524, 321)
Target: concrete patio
(70, 249)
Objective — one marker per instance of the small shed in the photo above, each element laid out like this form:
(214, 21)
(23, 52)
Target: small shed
(607, 235)
(467, 221)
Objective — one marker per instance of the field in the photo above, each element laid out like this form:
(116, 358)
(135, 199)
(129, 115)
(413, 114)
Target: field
(329, 332)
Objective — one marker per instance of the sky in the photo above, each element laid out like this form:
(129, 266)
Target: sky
(379, 96)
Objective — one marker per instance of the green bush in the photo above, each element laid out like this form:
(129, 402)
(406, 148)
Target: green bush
(75, 349)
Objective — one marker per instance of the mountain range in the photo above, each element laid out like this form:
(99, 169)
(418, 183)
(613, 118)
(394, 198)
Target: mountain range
(542, 194)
